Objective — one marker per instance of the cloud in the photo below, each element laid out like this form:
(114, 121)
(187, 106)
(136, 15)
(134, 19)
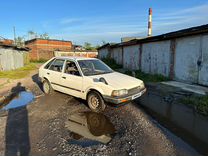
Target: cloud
(111, 28)
(95, 37)
(67, 21)
(193, 10)
(180, 19)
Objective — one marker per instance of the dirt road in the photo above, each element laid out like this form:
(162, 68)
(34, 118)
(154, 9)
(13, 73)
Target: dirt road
(59, 124)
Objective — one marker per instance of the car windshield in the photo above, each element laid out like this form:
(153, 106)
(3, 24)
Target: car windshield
(94, 67)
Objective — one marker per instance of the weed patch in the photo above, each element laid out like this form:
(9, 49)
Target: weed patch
(18, 73)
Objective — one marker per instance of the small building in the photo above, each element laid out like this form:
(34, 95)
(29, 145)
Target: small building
(5, 41)
(78, 48)
(43, 49)
(12, 57)
(180, 55)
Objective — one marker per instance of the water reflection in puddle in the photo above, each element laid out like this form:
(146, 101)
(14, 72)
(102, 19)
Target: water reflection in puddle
(16, 100)
(89, 128)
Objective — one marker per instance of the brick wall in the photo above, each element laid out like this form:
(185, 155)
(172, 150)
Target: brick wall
(44, 49)
(6, 42)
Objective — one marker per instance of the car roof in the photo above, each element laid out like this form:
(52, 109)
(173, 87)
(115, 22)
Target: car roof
(74, 58)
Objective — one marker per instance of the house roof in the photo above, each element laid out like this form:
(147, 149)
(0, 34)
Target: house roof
(35, 39)
(180, 33)
(106, 45)
(14, 47)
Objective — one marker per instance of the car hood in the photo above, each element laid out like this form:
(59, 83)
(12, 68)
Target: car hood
(119, 81)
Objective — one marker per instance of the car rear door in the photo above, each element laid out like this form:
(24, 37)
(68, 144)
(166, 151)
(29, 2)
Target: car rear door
(71, 79)
(54, 73)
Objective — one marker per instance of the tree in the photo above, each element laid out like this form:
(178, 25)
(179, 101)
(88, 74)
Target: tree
(104, 42)
(20, 41)
(32, 34)
(97, 46)
(44, 36)
(88, 46)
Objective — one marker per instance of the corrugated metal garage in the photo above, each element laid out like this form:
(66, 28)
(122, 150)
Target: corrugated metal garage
(180, 55)
(131, 57)
(12, 57)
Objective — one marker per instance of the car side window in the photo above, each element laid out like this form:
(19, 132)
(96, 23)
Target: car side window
(57, 65)
(71, 68)
(48, 65)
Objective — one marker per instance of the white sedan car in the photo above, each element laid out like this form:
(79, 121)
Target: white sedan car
(89, 79)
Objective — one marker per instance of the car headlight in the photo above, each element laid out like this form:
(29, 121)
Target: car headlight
(142, 85)
(120, 92)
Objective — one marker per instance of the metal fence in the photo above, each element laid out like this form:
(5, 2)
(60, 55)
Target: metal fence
(11, 59)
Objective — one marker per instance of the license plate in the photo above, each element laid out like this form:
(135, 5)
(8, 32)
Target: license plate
(136, 96)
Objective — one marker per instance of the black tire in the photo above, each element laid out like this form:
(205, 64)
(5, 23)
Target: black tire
(47, 89)
(95, 102)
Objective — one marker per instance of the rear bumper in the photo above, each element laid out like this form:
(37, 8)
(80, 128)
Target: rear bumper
(127, 98)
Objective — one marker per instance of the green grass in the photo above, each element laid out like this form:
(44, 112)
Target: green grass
(18, 73)
(112, 63)
(199, 103)
(148, 77)
(39, 61)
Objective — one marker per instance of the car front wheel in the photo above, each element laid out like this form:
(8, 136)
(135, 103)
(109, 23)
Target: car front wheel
(95, 102)
(47, 87)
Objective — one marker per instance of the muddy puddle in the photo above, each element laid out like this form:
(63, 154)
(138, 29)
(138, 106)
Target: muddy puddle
(164, 123)
(89, 128)
(16, 100)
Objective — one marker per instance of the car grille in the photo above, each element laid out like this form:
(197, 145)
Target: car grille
(134, 90)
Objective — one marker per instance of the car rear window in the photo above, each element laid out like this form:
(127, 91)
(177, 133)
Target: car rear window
(57, 65)
(48, 65)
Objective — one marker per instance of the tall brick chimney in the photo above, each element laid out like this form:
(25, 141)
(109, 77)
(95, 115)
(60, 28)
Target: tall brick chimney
(150, 22)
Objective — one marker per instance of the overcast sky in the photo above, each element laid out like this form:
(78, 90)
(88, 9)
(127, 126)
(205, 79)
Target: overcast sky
(99, 20)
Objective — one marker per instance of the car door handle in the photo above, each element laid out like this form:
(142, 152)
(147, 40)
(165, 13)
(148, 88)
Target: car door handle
(64, 77)
(48, 73)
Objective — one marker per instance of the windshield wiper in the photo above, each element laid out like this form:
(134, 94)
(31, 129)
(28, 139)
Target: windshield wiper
(106, 72)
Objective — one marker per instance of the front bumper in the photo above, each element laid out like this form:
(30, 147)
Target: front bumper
(124, 99)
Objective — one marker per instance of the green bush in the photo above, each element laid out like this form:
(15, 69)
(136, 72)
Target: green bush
(112, 63)
(39, 61)
(26, 58)
(147, 77)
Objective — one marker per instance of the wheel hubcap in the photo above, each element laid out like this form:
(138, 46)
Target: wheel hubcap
(94, 102)
(46, 87)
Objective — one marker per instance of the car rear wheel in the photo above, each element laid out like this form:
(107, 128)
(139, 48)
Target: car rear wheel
(95, 102)
(47, 87)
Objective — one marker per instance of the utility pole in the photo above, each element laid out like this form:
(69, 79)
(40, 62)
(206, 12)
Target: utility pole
(14, 35)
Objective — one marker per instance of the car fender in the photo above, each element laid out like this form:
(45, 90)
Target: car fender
(98, 89)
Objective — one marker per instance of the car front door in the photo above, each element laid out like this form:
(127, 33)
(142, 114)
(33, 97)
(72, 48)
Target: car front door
(71, 79)
(54, 73)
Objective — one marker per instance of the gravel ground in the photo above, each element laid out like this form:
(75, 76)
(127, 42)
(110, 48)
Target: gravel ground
(40, 129)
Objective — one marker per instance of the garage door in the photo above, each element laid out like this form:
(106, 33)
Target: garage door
(187, 55)
(203, 68)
